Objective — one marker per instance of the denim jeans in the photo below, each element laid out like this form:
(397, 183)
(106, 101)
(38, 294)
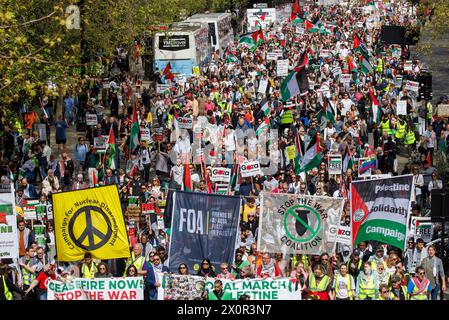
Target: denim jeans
(42, 295)
(435, 292)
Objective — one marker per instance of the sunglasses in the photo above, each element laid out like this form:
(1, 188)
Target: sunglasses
(182, 268)
(421, 273)
(205, 264)
(102, 268)
(385, 291)
(157, 259)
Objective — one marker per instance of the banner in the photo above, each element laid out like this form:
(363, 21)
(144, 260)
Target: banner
(401, 107)
(203, 225)
(380, 209)
(421, 227)
(90, 220)
(292, 224)
(274, 55)
(145, 134)
(9, 244)
(130, 288)
(162, 88)
(100, 143)
(179, 287)
(221, 174)
(250, 169)
(344, 235)
(334, 162)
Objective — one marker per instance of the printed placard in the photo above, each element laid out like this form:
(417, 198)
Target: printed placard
(274, 54)
(145, 134)
(100, 143)
(162, 88)
(412, 86)
(221, 174)
(290, 152)
(263, 84)
(408, 65)
(91, 119)
(334, 164)
(250, 169)
(185, 123)
(401, 107)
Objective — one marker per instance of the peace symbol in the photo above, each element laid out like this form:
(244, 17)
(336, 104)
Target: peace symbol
(90, 229)
(307, 223)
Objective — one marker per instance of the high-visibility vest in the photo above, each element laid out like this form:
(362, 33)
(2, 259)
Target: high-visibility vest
(400, 130)
(379, 66)
(374, 265)
(367, 289)
(287, 117)
(385, 126)
(410, 137)
(137, 262)
(87, 272)
(304, 260)
(27, 276)
(8, 294)
(321, 287)
(421, 296)
(348, 283)
(429, 111)
(404, 291)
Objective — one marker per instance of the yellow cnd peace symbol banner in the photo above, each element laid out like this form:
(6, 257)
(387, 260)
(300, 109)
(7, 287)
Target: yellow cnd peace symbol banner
(90, 220)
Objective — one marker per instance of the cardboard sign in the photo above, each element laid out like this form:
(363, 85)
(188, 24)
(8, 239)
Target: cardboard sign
(443, 110)
(221, 174)
(398, 81)
(422, 227)
(290, 151)
(282, 68)
(29, 209)
(412, 86)
(100, 143)
(326, 53)
(42, 131)
(334, 164)
(185, 123)
(250, 169)
(91, 119)
(196, 70)
(401, 107)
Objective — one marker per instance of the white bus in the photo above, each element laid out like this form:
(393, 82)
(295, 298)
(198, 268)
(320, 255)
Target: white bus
(254, 17)
(184, 45)
(220, 28)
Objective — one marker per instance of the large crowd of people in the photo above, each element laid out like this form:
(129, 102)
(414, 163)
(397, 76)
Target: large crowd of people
(348, 99)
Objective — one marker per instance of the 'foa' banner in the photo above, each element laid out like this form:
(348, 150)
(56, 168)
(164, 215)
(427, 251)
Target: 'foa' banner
(90, 220)
(291, 224)
(380, 209)
(182, 287)
(203, 226)
(130, 288)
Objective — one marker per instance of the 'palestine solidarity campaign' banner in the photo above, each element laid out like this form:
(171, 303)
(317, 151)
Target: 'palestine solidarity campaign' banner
(292, 224)
(203, 225)
(96, 289)
(180, 287)
(380, 209)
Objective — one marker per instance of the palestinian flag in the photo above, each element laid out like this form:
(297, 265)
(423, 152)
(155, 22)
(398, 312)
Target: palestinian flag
(247, 39)
(299, 153)
(265, 124)
(265, 107)
(303, 62)
(295, 19)
(295, 7)
(167, 72)
(236, 178)
(351, 65)
(365, 66)
(290, 86)
(187, 180)
(111, 144)
(328, 111)
(362, 49)
(135, 130)
(312, 156)
(377, 112)
(356, 42)
(347, 161)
